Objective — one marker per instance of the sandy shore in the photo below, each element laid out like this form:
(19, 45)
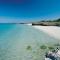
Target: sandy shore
(51, 30)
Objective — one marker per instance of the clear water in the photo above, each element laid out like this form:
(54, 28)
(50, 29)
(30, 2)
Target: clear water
(14, 39)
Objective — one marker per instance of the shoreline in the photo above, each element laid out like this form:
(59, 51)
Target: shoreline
(53, 31)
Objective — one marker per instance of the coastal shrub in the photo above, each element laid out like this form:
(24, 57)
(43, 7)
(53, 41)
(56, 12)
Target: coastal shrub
(43, 47)
(58, 20)
(29, 47)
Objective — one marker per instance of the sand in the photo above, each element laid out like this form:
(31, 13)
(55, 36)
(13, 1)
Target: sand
(53, 31)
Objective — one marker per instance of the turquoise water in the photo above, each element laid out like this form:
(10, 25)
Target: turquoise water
(14, 39)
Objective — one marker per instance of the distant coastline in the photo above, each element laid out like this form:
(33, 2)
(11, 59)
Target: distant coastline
(47, 23)
(38, 23)
(44, 23)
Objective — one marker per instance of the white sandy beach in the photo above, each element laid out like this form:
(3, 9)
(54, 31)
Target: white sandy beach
(53, 31)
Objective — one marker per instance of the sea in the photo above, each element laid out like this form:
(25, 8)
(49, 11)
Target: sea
(22, 42)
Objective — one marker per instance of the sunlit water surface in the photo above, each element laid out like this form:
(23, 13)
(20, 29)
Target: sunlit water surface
(14, 39)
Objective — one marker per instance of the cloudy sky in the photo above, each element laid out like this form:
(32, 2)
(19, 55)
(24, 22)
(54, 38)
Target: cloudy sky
(28, 10)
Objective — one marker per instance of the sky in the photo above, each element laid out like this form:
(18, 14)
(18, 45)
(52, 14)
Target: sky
(29, 10)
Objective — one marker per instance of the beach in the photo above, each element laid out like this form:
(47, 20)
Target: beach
(53, 31)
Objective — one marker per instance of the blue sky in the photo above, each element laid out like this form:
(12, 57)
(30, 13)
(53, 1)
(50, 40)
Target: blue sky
(29, 10)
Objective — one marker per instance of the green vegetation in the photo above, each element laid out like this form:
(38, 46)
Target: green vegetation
(48, 23)
(58, 20)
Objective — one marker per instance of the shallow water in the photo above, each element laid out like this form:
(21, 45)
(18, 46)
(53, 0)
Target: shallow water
(14, 39)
